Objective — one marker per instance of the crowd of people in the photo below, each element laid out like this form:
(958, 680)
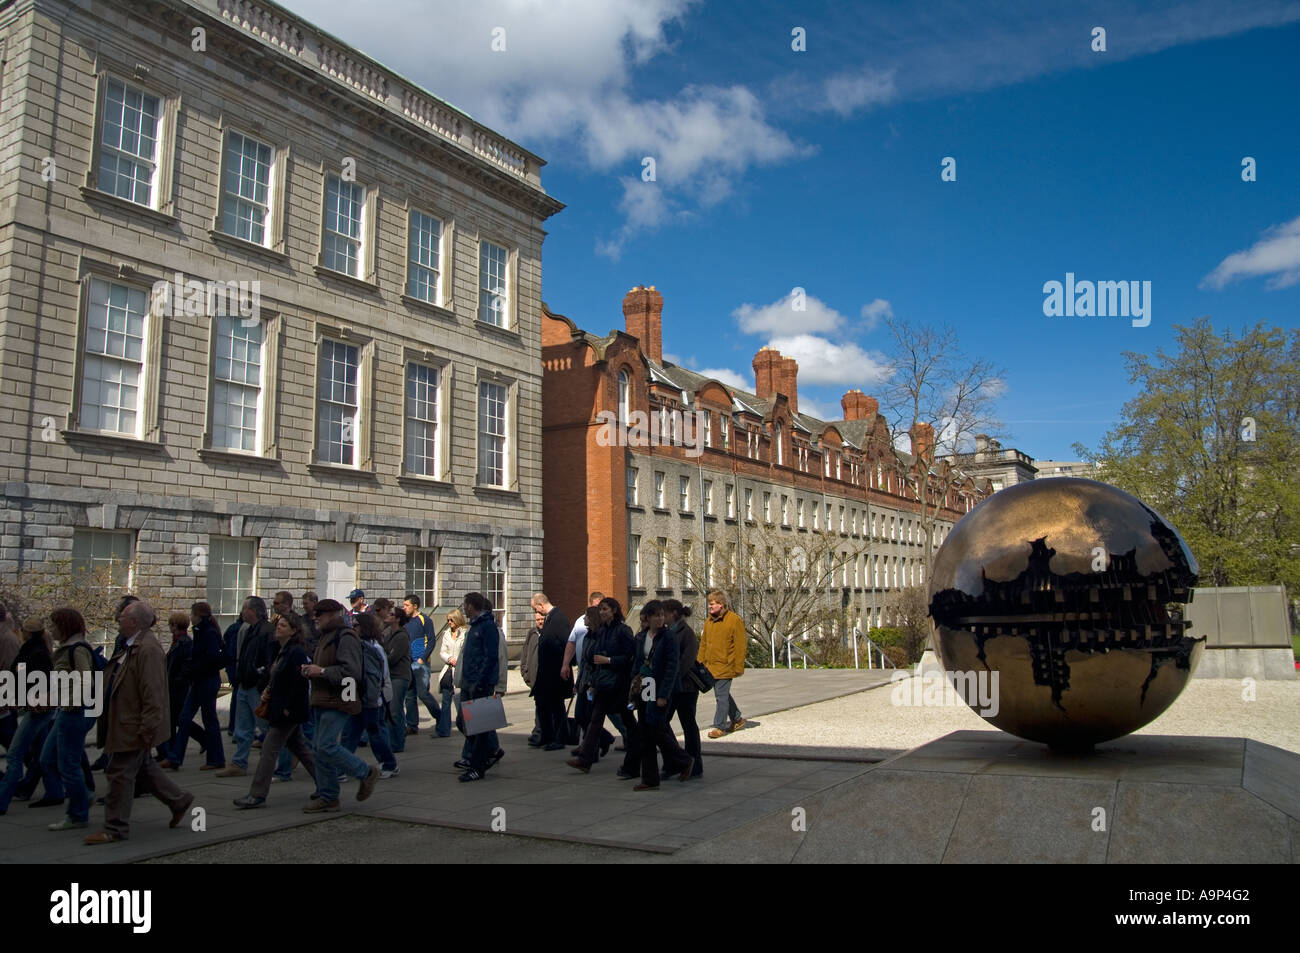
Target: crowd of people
(310, 688)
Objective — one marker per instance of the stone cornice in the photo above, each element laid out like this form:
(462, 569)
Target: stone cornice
(267, 40)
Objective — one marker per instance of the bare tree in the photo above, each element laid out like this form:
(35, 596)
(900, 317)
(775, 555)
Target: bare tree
(789, 585)
(933, 382)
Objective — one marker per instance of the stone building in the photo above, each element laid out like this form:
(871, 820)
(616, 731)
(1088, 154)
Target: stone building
(699, 474)
(269, 313)
(1002, 468)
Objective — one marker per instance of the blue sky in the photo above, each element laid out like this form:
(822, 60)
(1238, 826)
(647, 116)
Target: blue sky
(820, 169)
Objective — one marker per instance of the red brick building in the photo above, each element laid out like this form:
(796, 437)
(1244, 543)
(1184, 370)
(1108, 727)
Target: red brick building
(620, 497)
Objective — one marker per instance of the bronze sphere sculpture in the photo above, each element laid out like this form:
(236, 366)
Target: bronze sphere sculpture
(1072, 591)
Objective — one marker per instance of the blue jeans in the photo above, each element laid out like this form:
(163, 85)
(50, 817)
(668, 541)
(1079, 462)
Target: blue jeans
(397, 727)
(419, 692)
(284, 764)
(332, 759)
(29, 728)
(444, 717)
(201, 698)
(246, 702)
(371, 719)
(65, 746)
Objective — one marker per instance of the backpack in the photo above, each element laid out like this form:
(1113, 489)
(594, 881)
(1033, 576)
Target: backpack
(97, 660)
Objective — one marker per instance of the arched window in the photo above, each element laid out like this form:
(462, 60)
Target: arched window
(624, 397)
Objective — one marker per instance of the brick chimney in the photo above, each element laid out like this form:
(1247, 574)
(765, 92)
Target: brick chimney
(923, 442)
(788, 382)
(858, 406)
(642, 310)
(767, 371)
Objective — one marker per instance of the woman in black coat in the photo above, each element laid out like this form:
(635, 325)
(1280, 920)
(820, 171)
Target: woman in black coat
(550, 689)
(206, 660)
(180, 676)
(687, 696)
(654, 684)
(608, 663)
(285, 698)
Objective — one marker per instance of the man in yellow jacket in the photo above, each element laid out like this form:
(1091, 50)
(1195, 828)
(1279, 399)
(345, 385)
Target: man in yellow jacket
(722, 650)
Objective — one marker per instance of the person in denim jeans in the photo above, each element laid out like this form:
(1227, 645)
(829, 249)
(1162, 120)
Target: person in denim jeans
(397, 646)
(452, 642)
(201, 698)
(65, 747)
(34, 653)
(336, 685)
(252, 664)
(423, 638)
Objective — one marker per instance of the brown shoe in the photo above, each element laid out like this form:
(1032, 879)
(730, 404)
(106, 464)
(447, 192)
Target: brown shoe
(315, 807)
(212, 767)
(103, 837)
(686, 771)
(716, 733)
(738, 724)
(368, 783)
(166, 765)
(646, 787)
(178, 815)
(234, 771)
(577, 763)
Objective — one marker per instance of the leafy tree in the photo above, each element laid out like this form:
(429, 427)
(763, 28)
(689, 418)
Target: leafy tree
(1212, 441)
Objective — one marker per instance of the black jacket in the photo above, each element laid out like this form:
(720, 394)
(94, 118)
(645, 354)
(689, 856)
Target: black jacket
(289, 687)
(663, 662)
(253, 665)
(180, 666)
(478, 658)
(208, 658)
(547, 683)
(688, 651)
(35, 654)
(610, 680)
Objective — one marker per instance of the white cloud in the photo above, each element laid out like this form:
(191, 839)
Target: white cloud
(1277, 253)
(852, 90)
(562, 86)
(729, 377)
(874, 311)
(815, 408)
(781, 316)
(825, 362)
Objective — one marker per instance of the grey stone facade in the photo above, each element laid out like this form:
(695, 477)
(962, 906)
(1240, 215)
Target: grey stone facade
(321, 107)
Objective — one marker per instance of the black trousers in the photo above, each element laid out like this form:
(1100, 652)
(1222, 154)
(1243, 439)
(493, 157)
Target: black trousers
(684, 704)
(550, 719)
(655, 738)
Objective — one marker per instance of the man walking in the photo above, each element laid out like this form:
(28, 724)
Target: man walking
(423, 639)
(254, 643)
(336, 687)
(479, 673)
(136, 720)
(722, 650)
(550, 688)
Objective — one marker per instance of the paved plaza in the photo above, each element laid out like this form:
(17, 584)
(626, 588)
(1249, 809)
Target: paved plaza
(808, 732)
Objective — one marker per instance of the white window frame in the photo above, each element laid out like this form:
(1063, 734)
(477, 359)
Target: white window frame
(634, 561)
(218, 548)
(509, 465)
(272, 208)
(162, 162)
(363, 269)
(659, 490)
(730, 500)
(360, 417)
(683, 494)
(508, 292)
(633, 496)
(417, 269)
(442, 436)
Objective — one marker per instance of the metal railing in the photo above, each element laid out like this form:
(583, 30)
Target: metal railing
(874, 652)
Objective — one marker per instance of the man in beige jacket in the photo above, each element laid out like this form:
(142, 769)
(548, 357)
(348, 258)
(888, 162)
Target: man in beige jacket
(137, 719)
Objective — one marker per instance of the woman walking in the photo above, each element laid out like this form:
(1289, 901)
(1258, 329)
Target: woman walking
(608, 652)
(653, 686)
(206, 662)
(180, 674)
(375, 701)
(687, 696)
(452, 641)
(65, 747)
(286, 704)
(33, 723)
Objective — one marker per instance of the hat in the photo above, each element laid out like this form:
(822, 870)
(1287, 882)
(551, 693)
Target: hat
(33, 624)
(355, 594)
(328, 605)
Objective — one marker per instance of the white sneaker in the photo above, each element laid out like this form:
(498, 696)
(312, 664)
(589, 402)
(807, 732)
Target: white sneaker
(390, 774)
(276, 779)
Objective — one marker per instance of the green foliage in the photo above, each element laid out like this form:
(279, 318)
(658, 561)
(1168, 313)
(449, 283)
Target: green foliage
(1212, 442)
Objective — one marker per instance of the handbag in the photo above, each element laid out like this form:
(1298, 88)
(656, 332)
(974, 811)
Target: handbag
(701, 677)
(483, 714)
(263, 710)
(446, 683)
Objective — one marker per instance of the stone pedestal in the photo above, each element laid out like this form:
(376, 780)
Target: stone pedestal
(987, 797)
